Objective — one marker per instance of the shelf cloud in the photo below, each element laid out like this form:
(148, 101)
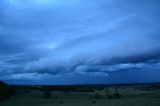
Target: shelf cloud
(89, 41)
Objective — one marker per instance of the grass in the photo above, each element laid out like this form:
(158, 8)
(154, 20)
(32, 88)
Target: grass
(145, 99)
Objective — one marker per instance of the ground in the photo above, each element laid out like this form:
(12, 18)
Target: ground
(72, 99)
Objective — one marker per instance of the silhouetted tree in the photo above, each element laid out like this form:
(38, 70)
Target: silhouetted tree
(117, 95)
(93, 102)
(47, 92)
(4, 91)
(98, 96)
(109, 96)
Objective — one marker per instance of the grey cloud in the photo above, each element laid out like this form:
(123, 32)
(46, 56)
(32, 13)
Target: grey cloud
(78, 37)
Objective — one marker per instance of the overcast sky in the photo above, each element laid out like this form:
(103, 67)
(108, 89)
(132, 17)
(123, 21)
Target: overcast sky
(79, 41)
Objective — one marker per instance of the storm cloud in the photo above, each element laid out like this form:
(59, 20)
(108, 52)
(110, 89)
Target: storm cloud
(79, 39)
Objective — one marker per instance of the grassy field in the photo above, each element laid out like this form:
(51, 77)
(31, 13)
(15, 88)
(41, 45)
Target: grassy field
(144, 99)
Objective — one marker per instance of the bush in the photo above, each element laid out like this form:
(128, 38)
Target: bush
(108, 96)
(98, 96)
(47, 94)
(12, 91)
(116, 95)
(60, 102)
(4, 93)
(93, 102)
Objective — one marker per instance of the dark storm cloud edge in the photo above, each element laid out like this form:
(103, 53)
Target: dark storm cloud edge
(75, 53)
(148, 61)
(78, 67)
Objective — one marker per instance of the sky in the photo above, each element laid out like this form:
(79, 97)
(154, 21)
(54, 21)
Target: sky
(79, 41)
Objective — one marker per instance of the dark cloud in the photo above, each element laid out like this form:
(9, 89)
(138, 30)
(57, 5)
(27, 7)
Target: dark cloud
(50, 39)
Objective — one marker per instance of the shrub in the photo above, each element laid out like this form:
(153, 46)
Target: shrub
(47, 94)
(108, 96)
(93, 102)
(60, 102)
(12, 91)
(116, 95)
(98, 96)
(4, 92)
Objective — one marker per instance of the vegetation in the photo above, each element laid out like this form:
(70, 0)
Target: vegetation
(83, 95)
(97, 96)
(47, 92)
(82, 100)
(4, 91)
(117, 95)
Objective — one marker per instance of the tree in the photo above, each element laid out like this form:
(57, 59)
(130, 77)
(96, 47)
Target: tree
(4, 91)
(47, 93)
(97, 96)
(117, 95)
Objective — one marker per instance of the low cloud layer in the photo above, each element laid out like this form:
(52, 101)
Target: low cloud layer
(61, 39)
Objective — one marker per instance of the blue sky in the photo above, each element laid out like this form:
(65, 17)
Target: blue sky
(79, 41)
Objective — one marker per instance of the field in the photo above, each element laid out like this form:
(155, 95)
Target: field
(149, 98)
(81, 95)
